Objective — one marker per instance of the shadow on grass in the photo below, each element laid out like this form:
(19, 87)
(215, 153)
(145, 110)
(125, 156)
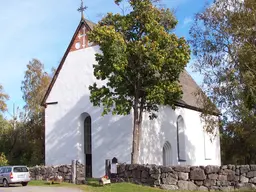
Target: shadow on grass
(93, 183)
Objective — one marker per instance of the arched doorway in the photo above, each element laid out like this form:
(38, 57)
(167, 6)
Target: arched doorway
(167, 154)
(88, 146)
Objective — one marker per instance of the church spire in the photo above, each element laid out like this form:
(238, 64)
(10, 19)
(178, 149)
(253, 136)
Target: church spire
(81, 9)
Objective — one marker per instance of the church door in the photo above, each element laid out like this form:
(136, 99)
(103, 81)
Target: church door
(88, 146)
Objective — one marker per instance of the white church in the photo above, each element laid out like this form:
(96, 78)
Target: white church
(74, 129)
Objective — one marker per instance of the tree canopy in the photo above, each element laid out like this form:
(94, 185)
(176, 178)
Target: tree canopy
(141, 60)
(22, 137)
(223, 40)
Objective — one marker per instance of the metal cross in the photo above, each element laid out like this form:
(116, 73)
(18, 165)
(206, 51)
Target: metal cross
(82, 8)
(83, 35)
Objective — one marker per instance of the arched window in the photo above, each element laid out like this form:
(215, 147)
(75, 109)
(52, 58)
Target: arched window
(88, 146)
(167, 154)
(181, 141)
(207, 145)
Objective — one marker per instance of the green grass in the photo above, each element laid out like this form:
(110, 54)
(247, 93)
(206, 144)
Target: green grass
(93, 186)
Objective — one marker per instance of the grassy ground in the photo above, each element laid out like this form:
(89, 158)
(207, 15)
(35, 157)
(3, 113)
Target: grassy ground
(93, 186)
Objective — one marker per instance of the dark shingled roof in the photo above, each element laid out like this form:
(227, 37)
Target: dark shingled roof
(189, 87)
(89, 23)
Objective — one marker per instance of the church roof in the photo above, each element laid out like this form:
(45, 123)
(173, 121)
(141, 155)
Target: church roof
(189, 87)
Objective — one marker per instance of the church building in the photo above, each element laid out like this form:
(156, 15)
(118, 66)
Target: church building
(75, 129)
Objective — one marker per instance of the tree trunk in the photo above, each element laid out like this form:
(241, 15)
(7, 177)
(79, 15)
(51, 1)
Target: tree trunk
(136, 136)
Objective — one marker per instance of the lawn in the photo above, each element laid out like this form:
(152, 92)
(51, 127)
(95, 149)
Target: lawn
(93, 186)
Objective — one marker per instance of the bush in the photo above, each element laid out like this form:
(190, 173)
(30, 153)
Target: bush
(3, 160)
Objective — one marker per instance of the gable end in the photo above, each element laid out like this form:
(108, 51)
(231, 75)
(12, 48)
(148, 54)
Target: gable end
(89, 26)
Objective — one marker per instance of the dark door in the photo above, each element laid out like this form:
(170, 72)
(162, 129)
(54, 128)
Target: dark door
(88, 146)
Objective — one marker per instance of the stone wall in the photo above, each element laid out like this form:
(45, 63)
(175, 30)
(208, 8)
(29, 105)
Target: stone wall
(44, 172)
(208, 178)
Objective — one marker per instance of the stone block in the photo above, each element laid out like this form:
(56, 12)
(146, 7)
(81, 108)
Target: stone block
(222, 183)
(251, 174)
(224, 167)
(244, 169)
(144, 174)
(212, 169)
(133, 166)
(166, 169)
(169, 187)
(136, 174)
(209, 182)
(169, 181)
(231, 176)
(187, 185)
(237, 171)
(197, 174)
(222, 178)
(253, 167)
(253, 180)
(202, 188)
(245, 186)
(164, 175)
(185, 169)
(155, 176)
(121, 168)
(173, 175)
(232, 167)
(183, 176)
(243, 179)
(153, 169)
(199, 183)
(213, 176)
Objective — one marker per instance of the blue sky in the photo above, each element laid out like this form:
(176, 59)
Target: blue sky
(42, 29)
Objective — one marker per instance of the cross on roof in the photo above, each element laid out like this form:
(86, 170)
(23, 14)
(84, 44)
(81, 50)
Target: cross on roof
(82, 8)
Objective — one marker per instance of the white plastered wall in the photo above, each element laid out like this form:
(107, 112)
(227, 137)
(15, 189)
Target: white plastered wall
(111, 135)
(156, 132)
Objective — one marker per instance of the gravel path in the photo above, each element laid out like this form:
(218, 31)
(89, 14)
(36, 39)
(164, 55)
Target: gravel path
(37, 189)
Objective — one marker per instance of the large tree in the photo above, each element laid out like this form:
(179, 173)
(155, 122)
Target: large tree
(34, 86)
(223, 40)
(141, 60)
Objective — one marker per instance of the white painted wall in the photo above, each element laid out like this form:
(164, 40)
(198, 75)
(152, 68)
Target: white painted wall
(156, 132)
(111, 135)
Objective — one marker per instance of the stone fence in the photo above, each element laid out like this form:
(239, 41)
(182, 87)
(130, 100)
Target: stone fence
(66, 171)
(205, 178)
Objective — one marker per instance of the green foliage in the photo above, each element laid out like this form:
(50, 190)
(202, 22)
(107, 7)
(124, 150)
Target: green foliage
(3, 98)
(22, 138)
(3, 160)
(223, 38)
(141, 61)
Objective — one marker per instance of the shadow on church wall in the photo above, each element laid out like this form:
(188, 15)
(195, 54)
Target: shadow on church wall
(111, 137)
(161, 130)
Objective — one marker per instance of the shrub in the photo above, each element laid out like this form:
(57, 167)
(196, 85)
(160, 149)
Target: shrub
(3, 160)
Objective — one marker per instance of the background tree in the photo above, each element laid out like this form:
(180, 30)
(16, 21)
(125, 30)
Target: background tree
(223, 40)
(3, 98)
(141, 62)
(34, 86)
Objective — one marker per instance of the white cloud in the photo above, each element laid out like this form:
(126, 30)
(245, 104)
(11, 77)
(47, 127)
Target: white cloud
(187, 21)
